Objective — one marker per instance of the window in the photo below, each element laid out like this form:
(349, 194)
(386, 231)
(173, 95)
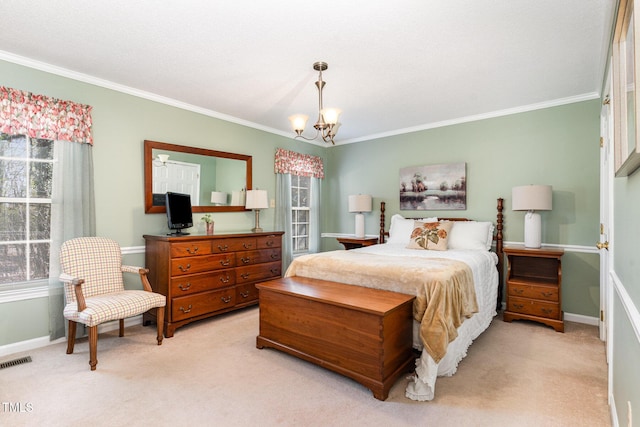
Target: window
(26, 171)
(300, 205)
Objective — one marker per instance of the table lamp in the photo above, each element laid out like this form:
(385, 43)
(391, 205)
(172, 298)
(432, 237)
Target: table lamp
(360, 203)
(532, 198)
(256, 200)
(218, 198)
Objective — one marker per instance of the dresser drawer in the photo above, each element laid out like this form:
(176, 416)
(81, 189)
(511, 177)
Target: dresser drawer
(258, 257)
(541, 292)
(534, 307)
(190, 284)
(271, 241)
(199, 264)
(258, 272)
(234, 245)
(179, 250)
(246, 293)
(202, 303)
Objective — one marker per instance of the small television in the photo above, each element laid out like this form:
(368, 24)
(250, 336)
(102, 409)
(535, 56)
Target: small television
(178, 212)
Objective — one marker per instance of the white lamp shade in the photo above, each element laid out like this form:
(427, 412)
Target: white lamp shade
(331, 115)
(219, 197)
(238, 198)
(257, 199)
(360, 203)
(531, 198)
(298, 121)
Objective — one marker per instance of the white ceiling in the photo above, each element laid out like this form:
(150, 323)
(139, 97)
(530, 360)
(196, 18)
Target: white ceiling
(394, 66)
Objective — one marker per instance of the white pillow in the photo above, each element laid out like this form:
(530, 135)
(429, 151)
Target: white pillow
(474, 235)
(401, 228)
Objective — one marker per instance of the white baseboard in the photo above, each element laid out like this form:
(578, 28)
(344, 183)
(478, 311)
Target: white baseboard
(579, 318)
(34, 343)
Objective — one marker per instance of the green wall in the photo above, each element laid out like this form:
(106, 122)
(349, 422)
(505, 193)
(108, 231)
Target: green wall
(557, 146)
(121, 123)
(626, 343)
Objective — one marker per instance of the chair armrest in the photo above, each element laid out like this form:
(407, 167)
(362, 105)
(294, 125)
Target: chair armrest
(77, 288)
(143, 275)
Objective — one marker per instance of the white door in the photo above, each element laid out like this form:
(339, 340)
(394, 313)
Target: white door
(178, 177)
(606, 208)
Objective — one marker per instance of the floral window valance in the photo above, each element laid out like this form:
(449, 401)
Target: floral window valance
(39, 116)
(298, 164)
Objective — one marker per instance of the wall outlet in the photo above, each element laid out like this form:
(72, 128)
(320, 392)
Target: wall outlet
(272, 203)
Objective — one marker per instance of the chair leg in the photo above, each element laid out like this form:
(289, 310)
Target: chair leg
(160, 322)
(93, 347)
(71, 339)
(121, 334)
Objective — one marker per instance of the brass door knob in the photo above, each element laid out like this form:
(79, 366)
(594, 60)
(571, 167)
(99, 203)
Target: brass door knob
(602, 245)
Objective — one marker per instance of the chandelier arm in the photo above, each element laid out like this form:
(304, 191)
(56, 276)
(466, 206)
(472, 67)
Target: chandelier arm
(300, 135)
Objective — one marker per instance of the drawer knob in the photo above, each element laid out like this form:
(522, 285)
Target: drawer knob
(184, 269)
(518, 290)
(193, 251)
(244, 294)
(225, 262)
(226, 299)
(247, 245)
(275, 271)
(185, 310)
(274, 256)
(547, 294)
(245, 275)
(270, 243)
(225, 279)
(546, 311)
(223, 248)
(246, 260)
(184, 287)
(519, 306)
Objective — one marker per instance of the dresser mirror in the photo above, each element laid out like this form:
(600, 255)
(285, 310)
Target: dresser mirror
(217, 181)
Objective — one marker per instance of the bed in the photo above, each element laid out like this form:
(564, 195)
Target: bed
(452, 265)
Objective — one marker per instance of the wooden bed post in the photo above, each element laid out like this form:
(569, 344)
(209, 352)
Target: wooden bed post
(499, 251)
(381, 239)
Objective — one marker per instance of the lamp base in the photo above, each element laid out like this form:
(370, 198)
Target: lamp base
(532, 230)
(359, 226)
(257, 228)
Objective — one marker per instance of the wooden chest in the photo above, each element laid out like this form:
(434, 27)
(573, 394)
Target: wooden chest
(364, 334)
(205, 275)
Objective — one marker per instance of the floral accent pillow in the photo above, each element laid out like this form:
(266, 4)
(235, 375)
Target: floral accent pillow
(430, 235)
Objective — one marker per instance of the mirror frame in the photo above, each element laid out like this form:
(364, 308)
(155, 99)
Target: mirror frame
(148, 174)
(626, 123)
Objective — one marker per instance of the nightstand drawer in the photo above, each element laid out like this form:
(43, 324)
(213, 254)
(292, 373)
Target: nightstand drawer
(534, 307)
(546, 293)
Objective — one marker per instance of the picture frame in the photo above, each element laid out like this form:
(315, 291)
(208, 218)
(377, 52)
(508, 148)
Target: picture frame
(434, 187)
(625, 100)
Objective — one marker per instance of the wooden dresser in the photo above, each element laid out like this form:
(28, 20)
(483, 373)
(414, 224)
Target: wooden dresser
(205, 275)
(534, 285)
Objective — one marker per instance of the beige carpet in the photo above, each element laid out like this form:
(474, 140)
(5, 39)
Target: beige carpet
(210, 373)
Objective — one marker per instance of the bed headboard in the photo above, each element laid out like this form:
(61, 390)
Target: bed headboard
(497, 238)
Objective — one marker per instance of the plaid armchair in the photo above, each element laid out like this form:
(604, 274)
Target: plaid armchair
(92, 273)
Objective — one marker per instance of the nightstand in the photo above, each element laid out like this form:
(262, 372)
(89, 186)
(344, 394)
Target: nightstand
(357, 242)
(534, 285)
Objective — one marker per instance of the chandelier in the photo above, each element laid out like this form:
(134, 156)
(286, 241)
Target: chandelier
(327, 124)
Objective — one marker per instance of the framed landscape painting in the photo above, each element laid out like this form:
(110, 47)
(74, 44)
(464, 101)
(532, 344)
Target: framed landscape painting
(434, 187)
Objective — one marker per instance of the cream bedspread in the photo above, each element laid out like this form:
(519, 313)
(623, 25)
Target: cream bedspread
(444, 288)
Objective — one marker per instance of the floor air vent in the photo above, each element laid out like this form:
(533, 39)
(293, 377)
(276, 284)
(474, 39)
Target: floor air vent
(15, 362)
